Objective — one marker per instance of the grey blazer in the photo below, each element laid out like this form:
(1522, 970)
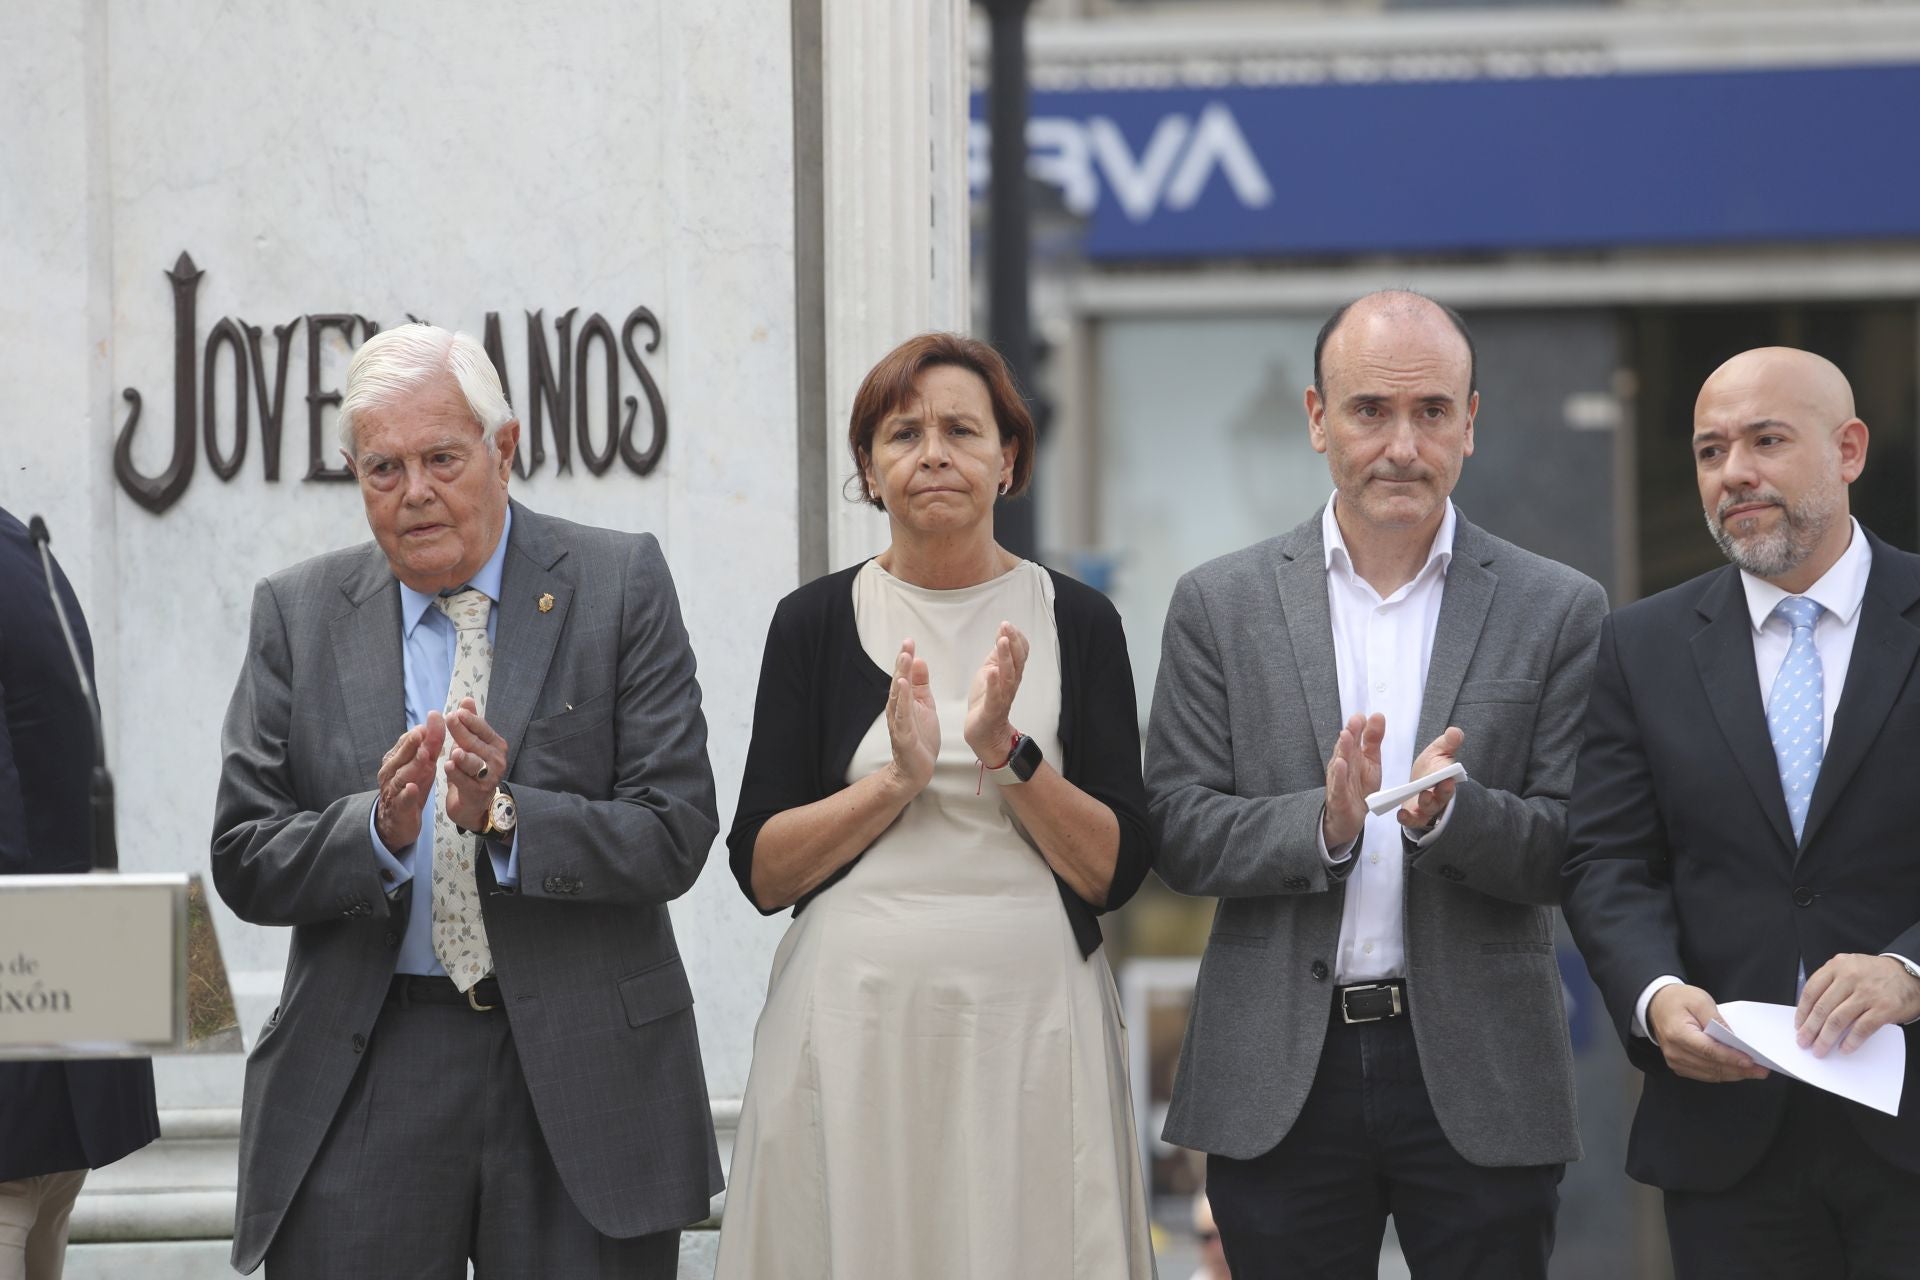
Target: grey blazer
(1245, 713)
(608, 765)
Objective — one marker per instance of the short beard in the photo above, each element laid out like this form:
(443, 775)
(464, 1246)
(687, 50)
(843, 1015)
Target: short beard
(1784, 549)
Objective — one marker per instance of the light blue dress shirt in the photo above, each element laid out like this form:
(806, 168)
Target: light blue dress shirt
(427, 643)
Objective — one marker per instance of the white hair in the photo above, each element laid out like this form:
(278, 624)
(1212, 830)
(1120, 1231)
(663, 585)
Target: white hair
(395, 361)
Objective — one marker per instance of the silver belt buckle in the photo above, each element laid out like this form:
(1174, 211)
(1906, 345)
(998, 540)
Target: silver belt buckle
(1393, 995)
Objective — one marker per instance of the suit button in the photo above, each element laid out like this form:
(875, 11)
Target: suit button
(1295, 883)
(1803, 896)
(1451, 872)
(359, 1042)
(393, 939)
(1319, 970)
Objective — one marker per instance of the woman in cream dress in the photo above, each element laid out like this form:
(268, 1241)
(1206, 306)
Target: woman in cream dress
(944, 783)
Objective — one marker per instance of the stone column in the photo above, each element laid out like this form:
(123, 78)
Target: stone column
(894, 231)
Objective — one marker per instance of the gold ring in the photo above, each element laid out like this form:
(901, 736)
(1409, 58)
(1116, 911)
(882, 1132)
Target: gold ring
(481, 776)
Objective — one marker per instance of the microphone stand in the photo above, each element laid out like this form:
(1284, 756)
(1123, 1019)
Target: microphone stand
(106, 852)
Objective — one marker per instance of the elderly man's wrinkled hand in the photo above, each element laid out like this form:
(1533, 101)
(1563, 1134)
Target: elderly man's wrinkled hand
(406, 775)
(474, 767)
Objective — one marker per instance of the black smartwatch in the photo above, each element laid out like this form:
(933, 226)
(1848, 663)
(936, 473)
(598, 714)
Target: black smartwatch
(1021, 762)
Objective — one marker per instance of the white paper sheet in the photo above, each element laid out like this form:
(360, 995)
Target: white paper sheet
(1390, 797)
(1871, 1075)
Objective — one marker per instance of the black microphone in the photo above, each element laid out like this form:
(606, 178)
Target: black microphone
(106, 852)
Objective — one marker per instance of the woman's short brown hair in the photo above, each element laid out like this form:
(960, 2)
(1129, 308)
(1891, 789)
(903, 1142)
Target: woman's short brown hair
(889, 385)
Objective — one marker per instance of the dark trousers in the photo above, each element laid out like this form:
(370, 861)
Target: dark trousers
(1367, 1145)
(434, 1158)
(1820, 1205)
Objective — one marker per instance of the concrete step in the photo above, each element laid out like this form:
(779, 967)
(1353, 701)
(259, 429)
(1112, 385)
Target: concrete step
(207, 1259)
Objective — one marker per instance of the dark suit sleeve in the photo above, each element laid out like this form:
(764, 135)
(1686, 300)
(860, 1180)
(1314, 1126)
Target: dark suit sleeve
(1512, 845)
(1213, 842)
(1619, 892)
(1107, 747)
(648, 842)
(777, 777)
(16, 854)
(274, 861)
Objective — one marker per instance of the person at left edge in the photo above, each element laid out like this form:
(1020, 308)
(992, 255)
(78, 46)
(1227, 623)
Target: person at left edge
(467, 765)
(57, 1119)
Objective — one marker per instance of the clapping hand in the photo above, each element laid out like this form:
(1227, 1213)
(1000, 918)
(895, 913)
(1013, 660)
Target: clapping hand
(913, 724)
(989, 729)
(474, 766)
(406, 774)
(1352, 775)
(1424, 808)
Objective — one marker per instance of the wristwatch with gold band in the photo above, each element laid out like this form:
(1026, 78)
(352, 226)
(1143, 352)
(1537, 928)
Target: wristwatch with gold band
(502, 817)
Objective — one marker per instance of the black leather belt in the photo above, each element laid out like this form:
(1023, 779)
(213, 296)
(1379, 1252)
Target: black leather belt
(414, 988)
(1371, 1001)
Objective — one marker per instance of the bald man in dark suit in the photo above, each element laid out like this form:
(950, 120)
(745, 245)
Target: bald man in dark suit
(1741, 829)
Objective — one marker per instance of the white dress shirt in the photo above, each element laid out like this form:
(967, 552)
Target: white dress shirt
(1381, 649)
(1838, 593)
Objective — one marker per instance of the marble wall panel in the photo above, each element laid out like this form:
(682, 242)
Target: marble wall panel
(384, 160)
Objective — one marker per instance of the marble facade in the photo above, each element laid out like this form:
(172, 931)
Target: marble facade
(756, 173)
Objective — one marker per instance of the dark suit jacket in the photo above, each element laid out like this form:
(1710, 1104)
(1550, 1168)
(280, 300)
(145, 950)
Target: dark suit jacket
(54, 1116)
(608, 765)
(1683, 860)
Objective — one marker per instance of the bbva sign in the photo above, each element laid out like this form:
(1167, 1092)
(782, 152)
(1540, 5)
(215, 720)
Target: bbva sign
(1084, 157)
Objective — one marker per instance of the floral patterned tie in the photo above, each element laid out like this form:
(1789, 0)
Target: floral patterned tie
(459, 932)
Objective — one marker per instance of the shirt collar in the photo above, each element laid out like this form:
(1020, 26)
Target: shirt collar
(414, 604)
(1335, 547)
(1839, 590)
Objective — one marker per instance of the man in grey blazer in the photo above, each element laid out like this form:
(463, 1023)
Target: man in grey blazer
(1378, 1026)
(466, 763)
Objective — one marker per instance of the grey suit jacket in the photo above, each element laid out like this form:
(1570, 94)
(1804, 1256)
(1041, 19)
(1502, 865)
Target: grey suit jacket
(608, 765)
(1245, 713)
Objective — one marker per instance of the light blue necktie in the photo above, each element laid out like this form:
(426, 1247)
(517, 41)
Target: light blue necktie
(1796, 710)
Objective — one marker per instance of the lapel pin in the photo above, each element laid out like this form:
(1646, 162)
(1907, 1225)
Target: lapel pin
(546, 603)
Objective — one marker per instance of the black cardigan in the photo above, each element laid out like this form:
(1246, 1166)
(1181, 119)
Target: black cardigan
(820, 693)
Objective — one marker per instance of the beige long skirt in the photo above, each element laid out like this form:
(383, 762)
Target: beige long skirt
(939, 1082)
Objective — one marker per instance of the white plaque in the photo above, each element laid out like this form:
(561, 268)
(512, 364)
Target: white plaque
(92, 965)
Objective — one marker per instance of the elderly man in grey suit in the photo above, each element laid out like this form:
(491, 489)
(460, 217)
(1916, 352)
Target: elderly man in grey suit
(467, 765)
(1378, 1026)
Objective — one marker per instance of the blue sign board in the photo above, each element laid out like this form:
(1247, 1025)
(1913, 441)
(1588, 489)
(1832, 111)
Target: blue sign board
(1782, 154)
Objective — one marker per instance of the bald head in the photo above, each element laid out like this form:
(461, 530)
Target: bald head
(1392, 408)
(1387, 309)
(1776, 442)
(1809, 388)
